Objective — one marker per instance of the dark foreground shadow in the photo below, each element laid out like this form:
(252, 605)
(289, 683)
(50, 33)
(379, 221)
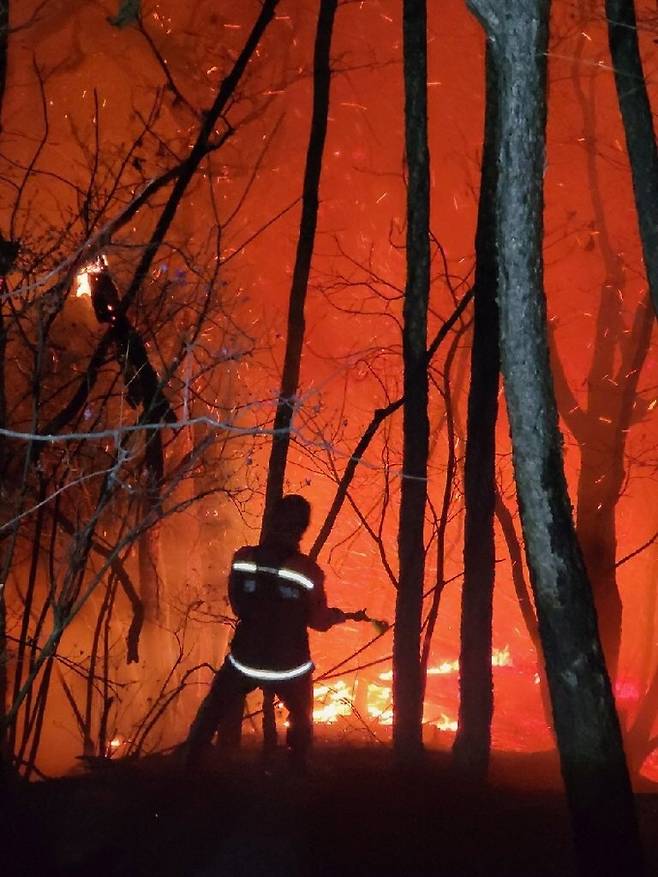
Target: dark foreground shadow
(353, 813)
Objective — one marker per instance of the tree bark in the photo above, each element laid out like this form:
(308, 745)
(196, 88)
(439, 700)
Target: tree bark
(473, 740)
(407, 683)
(285, 408)
(638, 128)
(587, 728)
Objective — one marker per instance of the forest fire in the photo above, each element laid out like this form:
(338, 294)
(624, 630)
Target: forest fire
(314, 306)
(342, 698)
(82, 284)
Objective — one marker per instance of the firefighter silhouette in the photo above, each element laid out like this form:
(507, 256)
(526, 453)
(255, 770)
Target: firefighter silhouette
(277, 593)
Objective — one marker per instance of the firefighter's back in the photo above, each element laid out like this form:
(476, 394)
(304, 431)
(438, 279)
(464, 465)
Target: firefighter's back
(270, 589)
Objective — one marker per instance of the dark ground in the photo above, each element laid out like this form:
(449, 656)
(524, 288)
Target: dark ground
(352, 814)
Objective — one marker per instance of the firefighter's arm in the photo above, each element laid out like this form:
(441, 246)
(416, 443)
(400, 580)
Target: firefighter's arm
(321, 616)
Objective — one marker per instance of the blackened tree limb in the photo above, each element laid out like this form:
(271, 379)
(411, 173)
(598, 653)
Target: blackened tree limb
(181, 182)
(587, 727)
(473, 740)
(441, 520)
(378, 418)
(638, 129)
(285, 407)
(506, 522)
(121, 574)
(407, 683)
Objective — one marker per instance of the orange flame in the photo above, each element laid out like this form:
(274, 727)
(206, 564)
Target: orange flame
(82, 285)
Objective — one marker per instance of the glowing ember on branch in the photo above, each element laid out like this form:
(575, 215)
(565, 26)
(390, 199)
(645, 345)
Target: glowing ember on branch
(114, 746)
(82, 285)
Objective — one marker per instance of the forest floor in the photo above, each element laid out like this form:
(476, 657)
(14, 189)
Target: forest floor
(353, 813)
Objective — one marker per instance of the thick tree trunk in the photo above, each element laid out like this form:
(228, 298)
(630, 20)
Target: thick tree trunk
(587, 728)
(310, 200)
(407, 686)
(473, 741)
(638, 128)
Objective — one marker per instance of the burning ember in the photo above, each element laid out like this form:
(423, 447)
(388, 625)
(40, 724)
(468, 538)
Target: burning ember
(82, 285)
(114, 746)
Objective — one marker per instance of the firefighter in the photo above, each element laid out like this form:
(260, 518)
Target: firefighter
(276, 592)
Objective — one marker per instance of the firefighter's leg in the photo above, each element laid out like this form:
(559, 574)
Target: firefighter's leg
(297, 697)
(228, 688)
(230, 725)
(269, 720)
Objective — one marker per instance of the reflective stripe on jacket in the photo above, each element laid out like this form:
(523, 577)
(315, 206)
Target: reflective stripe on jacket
(276, 594)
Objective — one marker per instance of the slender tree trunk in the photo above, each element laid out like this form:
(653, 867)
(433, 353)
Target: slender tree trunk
(638, 127)
(310, 201)
(4, 43)
(5, 265)
(378, 417)
(407, 683)
(587, 728)
(441, 521)
(525, 604)
(473, 741)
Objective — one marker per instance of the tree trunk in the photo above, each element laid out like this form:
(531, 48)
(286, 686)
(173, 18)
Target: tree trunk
(407, 687)
(587, 728)
(308, 224)
(6, 260)
(473, 741)
(525, 604)
(638, 128)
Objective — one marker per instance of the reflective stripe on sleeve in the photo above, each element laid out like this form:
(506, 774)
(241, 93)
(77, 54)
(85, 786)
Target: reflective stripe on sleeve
(271, 675)
(245, 566)
(289, 575)
(292, 575)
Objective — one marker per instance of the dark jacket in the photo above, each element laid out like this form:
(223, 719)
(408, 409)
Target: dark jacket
(276, 593)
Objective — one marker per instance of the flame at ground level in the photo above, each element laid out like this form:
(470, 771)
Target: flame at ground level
(354, 706)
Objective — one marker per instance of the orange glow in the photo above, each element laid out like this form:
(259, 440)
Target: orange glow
(236, 215)
(337, 699)
(82, 285)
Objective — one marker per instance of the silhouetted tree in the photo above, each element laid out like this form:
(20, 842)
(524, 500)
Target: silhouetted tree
(586, 723)
(407, 685)
(637, 117)
(473, 741)
(305, 243)
(601, 423)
